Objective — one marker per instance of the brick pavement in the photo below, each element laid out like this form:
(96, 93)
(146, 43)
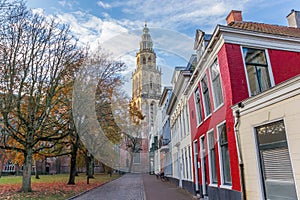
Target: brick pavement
(136, 187)
(127, 187)
(155, 189)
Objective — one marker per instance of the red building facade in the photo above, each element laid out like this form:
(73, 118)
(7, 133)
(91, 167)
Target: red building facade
(239, 60)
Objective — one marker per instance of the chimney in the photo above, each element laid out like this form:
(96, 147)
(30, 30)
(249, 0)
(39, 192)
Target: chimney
(234, 16)
(294, 19)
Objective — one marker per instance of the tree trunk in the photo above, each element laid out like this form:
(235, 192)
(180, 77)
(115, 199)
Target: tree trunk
(26, 180)
(73, 165)
(58, 165)
(90, 166)
(17, 167)
(87, 165)
(36, 170)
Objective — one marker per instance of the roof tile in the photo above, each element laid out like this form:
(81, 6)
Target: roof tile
(267, 28)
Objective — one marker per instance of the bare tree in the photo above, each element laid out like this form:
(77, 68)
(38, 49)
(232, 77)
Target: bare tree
(37, 56)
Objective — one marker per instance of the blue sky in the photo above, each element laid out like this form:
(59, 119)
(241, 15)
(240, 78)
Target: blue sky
(118, 24)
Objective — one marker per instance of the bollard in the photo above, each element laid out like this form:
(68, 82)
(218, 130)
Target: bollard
(87, 180)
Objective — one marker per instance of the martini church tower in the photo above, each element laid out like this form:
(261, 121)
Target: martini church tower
(146, 82)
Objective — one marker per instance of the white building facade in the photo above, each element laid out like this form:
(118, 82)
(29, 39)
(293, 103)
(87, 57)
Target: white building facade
(180, 131)
(267, 131)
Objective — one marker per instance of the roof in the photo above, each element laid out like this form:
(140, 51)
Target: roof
(164, 94)
(266, 28)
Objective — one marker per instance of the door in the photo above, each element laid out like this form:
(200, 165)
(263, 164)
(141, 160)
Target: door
(203, 166)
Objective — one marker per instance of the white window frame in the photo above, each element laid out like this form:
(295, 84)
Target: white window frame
(211, 183)
(268, 63)
(183, 164)
(183, 121)
(187, 119)
(186, 163)
(223, 184)
(199, 121)
(203, 98)
(216, 107)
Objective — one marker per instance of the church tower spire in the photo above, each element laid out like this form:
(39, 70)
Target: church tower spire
(146, 42)
(146, 79)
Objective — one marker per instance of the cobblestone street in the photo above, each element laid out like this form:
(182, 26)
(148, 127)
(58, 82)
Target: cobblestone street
(136, 187)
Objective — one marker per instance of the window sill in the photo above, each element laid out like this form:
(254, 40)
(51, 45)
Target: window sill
(187, 179)
(213, 185)
(220, 106)
(226, 186)
(207, 117)
(199, 124)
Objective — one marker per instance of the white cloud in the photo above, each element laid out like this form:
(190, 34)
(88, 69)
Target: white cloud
(65, 3)
(62, 3)
(38, 11)
(87, 28)
(103, 5)
(111, 29)
(175, 14)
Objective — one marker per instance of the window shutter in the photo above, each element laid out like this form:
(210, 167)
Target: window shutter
(277, 164)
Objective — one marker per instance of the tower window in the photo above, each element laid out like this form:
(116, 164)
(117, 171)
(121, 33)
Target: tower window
(144, 60)
(152, 114)
(151, 83)
(149, 59)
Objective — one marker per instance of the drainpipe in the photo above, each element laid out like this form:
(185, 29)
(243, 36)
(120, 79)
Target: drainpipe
(239, 151)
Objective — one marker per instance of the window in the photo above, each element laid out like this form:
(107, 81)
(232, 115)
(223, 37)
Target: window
(216, 84)
(257, 70)
(186, 163)
(151, 83)
(189, 161)
(206, 98)
(144, 60)
(181, 125)
(224, 155)
(136, 158)
(198, 105)
(152, 114)
(212, 158)
(183, 122)
(275, 163)
(183, 164)
(187, 119)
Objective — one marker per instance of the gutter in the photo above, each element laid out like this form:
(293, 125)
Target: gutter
(239, 151)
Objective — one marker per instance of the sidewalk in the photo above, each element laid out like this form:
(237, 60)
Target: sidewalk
(155, 189)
